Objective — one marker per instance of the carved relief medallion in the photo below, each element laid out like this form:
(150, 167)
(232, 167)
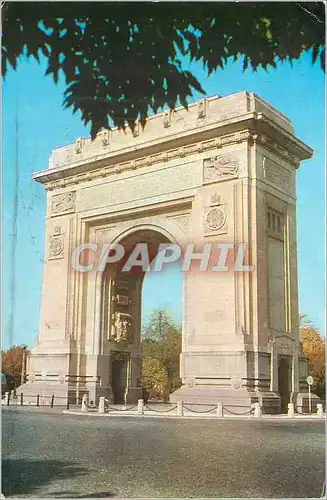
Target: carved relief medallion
(63, 203)
(56, 245)
(215, 218)
(220, 168)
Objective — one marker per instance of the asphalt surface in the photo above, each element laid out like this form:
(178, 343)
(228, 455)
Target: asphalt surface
(53, 455)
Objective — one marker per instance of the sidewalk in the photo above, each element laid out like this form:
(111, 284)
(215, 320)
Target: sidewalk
(156, 413)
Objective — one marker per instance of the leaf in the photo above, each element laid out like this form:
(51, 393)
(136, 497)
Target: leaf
(128, 55)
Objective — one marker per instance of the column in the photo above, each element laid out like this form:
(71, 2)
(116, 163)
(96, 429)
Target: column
(273, 369)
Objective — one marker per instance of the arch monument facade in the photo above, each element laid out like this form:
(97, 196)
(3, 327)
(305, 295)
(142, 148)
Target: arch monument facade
(222, 172)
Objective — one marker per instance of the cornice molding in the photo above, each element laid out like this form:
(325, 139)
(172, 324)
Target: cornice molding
(246, 128)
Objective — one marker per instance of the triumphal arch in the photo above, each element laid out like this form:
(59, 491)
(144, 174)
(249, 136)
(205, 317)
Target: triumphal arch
(223, 171)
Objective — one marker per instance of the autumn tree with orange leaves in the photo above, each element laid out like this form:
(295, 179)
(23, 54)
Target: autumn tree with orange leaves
(314, 345)
(12, 364)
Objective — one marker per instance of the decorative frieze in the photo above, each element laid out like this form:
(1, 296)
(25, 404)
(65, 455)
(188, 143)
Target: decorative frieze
(276, 148)
(214, 169)
(220, 168)
(63, 203)
(154, 159)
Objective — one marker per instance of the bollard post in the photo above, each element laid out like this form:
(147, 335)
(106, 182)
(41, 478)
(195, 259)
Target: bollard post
(7, 398)
(320, 411)
(101, 405)
(38, 400)
(257, 410)
(84, 402)
(220, 412)
(290, 411)
(52, 401)
(21, 399)
(140, 407)
(180, 408)
(67, 404)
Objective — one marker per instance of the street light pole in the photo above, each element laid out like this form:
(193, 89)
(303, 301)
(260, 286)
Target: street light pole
(22, 377)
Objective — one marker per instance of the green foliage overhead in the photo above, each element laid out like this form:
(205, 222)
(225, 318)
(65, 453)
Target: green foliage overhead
(122, 61)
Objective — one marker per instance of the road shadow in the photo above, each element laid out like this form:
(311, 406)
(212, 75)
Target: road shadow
(68, 494)
(21, 476)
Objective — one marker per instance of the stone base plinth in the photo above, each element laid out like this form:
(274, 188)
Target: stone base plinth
(301, 402)
(270, 402)
(62, 393)
(234, 400)
(133, 395)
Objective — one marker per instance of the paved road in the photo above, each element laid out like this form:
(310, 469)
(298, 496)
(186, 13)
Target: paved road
(54, 455)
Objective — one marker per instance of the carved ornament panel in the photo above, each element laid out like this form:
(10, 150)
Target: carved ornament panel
(56, 244)
(220, 168)
(63, 203)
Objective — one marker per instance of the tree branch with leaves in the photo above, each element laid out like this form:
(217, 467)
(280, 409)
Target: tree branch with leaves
(122, 61)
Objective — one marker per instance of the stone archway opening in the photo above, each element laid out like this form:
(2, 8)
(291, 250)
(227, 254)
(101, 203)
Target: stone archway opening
(161, 339)
(121, 314)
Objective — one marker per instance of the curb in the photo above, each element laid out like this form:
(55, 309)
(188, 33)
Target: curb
(207, 417)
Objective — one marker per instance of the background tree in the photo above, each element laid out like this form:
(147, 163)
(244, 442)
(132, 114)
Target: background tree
(154, 377)
(122, 61)
(314, 348)
(12, 364)
(160, 349)
(305, 321)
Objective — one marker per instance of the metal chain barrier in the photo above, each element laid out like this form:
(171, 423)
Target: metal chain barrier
(198, 411)
(284, 410)
(91, 407)
(160, 411)
(112, 408)
(40, 400)
(234, 413)
(299, 412)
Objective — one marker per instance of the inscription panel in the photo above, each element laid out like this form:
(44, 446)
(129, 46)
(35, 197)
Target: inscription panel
(134, 188)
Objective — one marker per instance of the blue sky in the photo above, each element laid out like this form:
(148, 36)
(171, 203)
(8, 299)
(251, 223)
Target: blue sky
(296, 91)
